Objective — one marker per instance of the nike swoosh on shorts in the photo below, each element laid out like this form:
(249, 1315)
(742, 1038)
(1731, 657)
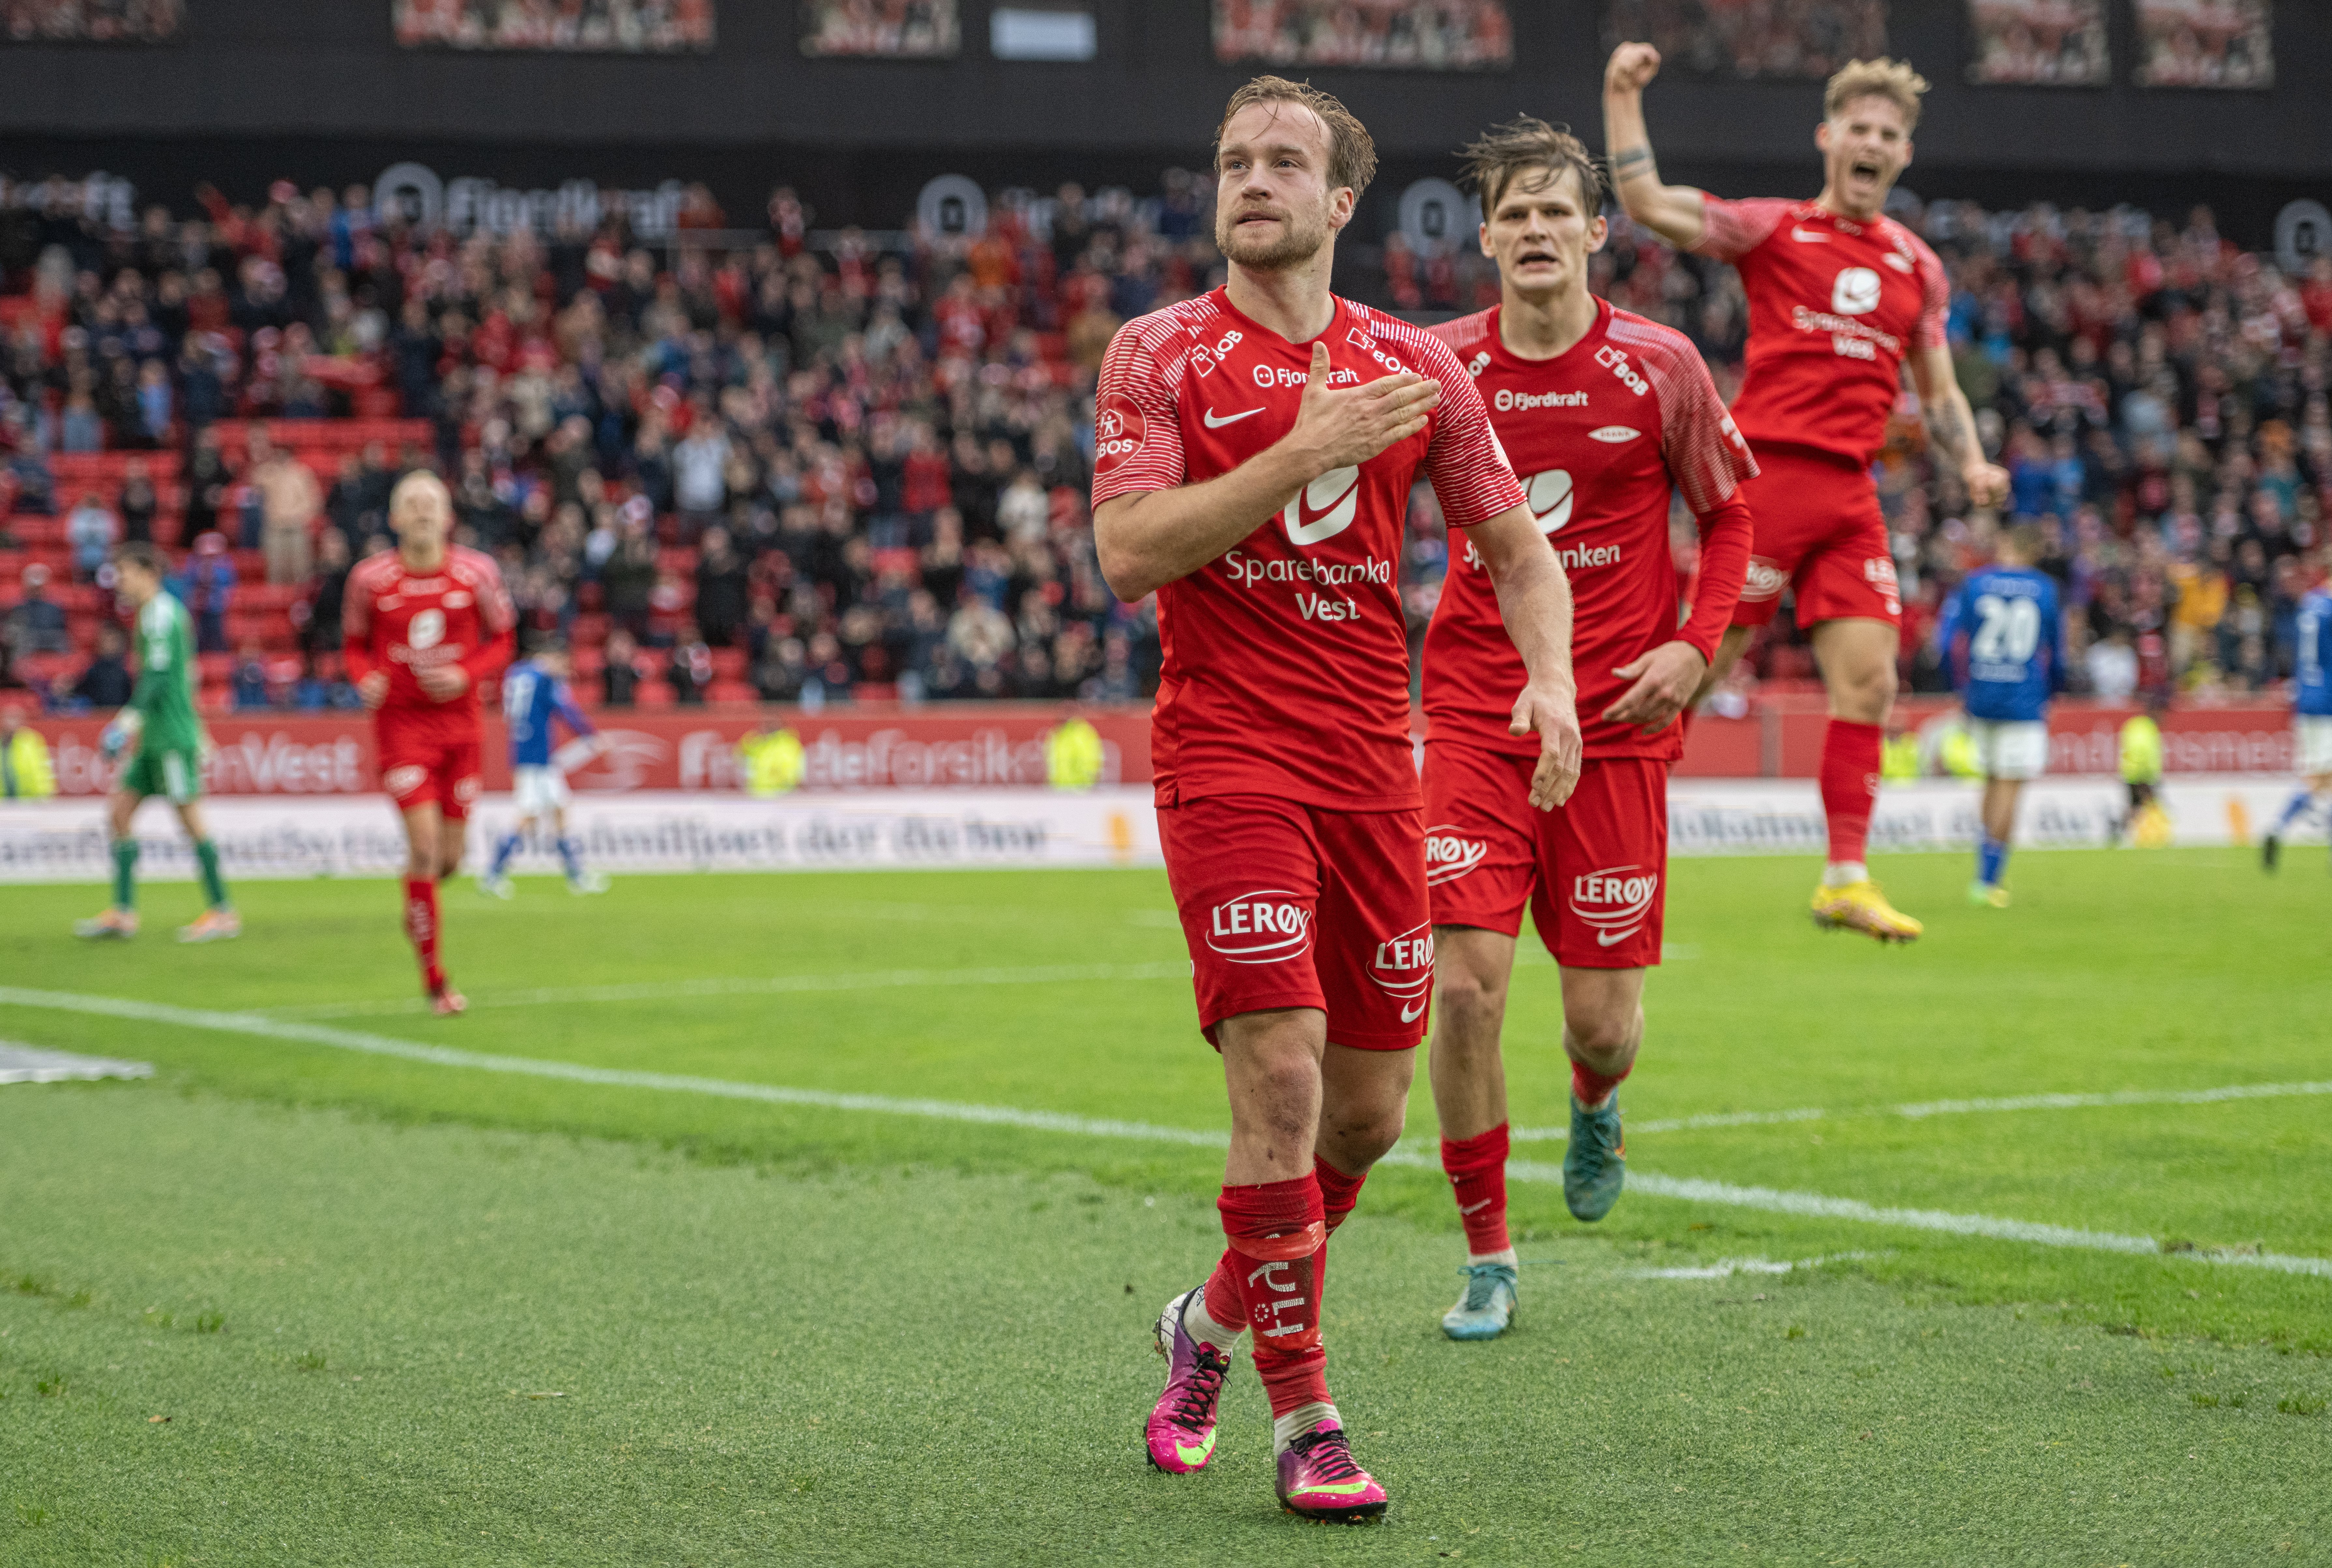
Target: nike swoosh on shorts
(1605, 939)
(1411, 1015)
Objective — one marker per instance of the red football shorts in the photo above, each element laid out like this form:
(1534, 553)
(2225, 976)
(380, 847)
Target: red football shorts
(424, 761)
(1819, 530)
(1288, 905)
(1591, 870)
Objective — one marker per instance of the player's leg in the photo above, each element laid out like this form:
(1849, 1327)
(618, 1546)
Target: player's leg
(1245, 873)
(423, 822)
(1600, 907)
(495, 881)
(1481, 860)
(580, 880)
(2314, 737)
(120, 919)
(2011, 754)
(218, 922)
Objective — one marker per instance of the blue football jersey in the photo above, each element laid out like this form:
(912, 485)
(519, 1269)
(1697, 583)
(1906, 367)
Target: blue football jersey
(2015, 658)
(532, 699)
(2312, 685)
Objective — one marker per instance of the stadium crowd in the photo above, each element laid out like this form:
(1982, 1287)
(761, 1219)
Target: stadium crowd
(723, 471)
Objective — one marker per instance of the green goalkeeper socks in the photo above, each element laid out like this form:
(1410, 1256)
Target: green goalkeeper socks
(213, 888)
(125, 873)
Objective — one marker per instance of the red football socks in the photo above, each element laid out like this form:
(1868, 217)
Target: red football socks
(1849, 785)
(1477, 1168)
(1280, 1233)
(1338, 1192)
(1591, 1085)
(421, 929)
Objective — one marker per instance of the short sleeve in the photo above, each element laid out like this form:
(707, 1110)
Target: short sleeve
(1471, 476)
(1706, 454)
(1137, 429)
(1731, 230)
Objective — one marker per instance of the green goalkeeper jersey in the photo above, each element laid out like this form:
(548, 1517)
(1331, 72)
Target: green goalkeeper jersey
(164, 697)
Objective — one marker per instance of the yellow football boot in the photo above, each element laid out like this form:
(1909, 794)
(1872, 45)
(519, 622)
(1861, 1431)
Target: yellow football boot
(1860, 906)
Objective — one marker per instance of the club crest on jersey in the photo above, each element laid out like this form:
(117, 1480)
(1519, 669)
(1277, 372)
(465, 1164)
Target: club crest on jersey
(1323, 508)
(1614, 901)
(1266, 926)
(1403, 967)
(1451, 854)
(1550, 495)
(1856, 293)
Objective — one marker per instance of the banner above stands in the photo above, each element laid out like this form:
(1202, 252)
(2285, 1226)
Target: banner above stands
(1001, 746)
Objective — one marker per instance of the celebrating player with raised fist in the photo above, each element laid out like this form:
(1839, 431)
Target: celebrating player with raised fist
(1842, 299)
(1605, 414)
(1256, 450)
(425, 625)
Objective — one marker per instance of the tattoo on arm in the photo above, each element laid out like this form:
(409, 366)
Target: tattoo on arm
(1950, 429)
(1632, 164)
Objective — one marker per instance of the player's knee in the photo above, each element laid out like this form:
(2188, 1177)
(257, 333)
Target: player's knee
(1366, 1134)
(1468, 1007)
(1602, 1036)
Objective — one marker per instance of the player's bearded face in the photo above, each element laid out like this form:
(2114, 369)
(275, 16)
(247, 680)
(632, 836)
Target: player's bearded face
(1274, 206)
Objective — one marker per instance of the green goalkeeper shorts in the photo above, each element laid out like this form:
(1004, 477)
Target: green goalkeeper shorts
(176, 771)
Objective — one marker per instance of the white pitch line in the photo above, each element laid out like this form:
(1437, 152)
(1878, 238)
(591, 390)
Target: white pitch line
(766, 985)
(22, 1064)
(1811, 1205)
(1922, 1109)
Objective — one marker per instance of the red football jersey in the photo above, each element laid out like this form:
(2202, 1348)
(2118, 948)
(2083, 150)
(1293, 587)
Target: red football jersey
(400, 621)
(1601, 434)
(1834, 308)
(1286, 657)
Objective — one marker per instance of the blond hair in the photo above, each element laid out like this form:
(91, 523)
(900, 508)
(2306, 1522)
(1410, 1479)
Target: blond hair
(1892, 80)
(419, 479)
(1495, 158)
(1352, 155)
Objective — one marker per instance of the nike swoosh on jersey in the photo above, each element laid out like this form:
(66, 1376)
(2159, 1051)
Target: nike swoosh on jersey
(1607, 939)
(1804, 238)
(1214, 424)
(1411, 1015)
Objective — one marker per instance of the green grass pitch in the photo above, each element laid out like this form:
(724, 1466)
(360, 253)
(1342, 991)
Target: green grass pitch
(409, 1312)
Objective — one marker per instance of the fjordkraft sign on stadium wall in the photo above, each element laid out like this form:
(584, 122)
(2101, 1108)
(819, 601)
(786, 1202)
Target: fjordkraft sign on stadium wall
(677, 831)
(1002, 746)
(990, 747)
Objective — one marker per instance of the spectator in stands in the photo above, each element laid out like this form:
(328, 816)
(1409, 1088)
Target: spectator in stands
(723, 590)
(700, 468)
(689, 669)
(37, 624)
(210, 482)
(251, 679)
(105, 682)
(324, 595)
(157, 404)
(289, 501)
(81, 429)
(208, 585)
(628, 579)
(138, 502)
(92, 530)
(619, 679)
(25, 771)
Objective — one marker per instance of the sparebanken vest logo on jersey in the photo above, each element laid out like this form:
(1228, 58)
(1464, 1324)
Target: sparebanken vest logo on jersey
(1323, 508)
(1614, 901)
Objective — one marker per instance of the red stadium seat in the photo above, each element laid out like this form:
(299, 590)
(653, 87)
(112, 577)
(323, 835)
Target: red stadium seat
(730, 692)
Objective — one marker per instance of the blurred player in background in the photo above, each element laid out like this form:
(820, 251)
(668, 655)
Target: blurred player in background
(1256, 448)
(534, 696)
(2138, 756)
(425, 625)
(2012, 664)
(161, 722)
(1841, 297)
(2311, 718)
(1605, 414)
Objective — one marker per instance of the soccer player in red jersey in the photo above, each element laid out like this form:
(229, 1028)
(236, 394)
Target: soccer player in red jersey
(1604, 414)
(426, 623)
(1256, 449)
(1841, 297)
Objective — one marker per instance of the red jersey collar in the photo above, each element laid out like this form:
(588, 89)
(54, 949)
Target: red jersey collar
(1222, 298)
(1508, 360)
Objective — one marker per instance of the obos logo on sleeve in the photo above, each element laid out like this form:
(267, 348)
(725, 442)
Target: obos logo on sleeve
(1118, 431)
